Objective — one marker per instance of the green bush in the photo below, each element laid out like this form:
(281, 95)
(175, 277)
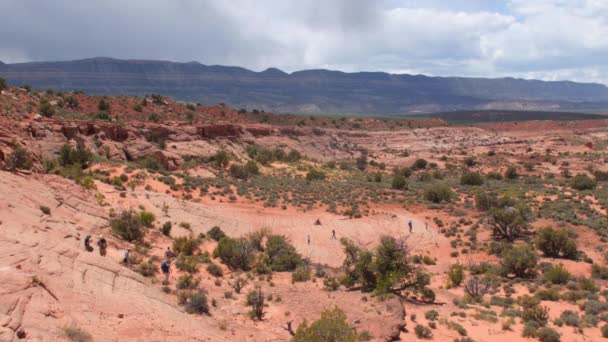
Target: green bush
(556, 243)
(557, 274)
(19, 159)
(471, 178)
(197, 303)
(315, 174)
(45, 108)
(216, 233)
(80, 155)
(419, 164)
(583, 182)
(511, 173)
(281, 255)
(398, 182)
(166, 229)
(456, 274)
(439, 192)
(147, 269)
(214, 270)
(146, 218)
(570, 318)
(332, 326)
(600, 176)
(431, 315)
(127, 225)
(330, 284)
(486, 200)
(520, 261)
(244, 171)
(605, 331)
(301, 273)
(3, 85)
(76, 334)
(221, 158)
(187, 282)
(185, 245)
(547, 335)
(423, 332)
(599, 272)
(236, 253)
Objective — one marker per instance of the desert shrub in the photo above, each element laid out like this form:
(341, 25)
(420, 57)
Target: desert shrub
(456, 274)
(423, 332)
(471, 178)
(536, 313)
(330, 284)
(511, 173)
(301, 273)
(221, 158)
(75, 334)
(166, 228)
(197, 303)
(520, 261)
(75, 156)
(147, 269)
(146, 218)
(315, 174)
(439, 192)
(548, 294)
(103, 105)
(398, 182)
(605, 331)
(583, 182)
(530, 329)
(599, 272)
(255, 298)
(281, 255)
(216, 233)
(127, 225)
(3, 85)
(557, 274)
(594, 307)
(236, 253)
(187, 263)
(556, 243)
(547, 335)
(486, 200)
(431, 315)
(570, 318)
(508, 223)
(214, 270)
(187, 282)
(45, 108)
(477, 287)
(419, 164)
(19, 158)
(331, 326)
(494, 175)
(470, 161)
(185, 245)
(600, 176)
(238, 283)
(244, 171)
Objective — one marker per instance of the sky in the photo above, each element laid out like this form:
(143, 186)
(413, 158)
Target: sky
(542, 39)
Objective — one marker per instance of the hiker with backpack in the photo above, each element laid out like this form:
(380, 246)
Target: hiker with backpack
(102, 244)
(125, 259)
(410, 224)
(165, 267)
(169, 253)
(87, 243)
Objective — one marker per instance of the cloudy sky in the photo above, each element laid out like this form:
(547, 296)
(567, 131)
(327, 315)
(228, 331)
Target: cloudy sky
(546, 39)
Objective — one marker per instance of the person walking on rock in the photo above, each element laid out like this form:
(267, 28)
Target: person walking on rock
(102, 244)
(333, 234)
(169, 253)
(410, 224)
(87, 243)
(125, 259)
(165, 267)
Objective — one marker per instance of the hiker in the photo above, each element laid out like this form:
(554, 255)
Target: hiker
(125, 260)
(165, 267)
(333, 234)
(87, 243)
(102, 244)
(426, 225)
(309, 239)
(169, 253)
(409, 223)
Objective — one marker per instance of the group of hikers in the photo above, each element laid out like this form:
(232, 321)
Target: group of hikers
(165, 267)
(101, 243)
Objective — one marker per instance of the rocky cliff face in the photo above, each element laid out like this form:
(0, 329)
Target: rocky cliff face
(304, 91)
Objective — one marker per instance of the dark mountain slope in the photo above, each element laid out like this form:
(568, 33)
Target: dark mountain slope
(304, 91)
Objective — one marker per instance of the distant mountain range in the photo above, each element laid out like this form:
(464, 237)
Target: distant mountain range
(308, 91)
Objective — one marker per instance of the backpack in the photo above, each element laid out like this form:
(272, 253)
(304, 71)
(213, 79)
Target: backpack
(164, 267)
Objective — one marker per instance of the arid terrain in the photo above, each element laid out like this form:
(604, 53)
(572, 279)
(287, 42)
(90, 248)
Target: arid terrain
(275, 220)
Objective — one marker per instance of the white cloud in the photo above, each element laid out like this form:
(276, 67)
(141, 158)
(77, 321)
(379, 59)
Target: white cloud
(549, 39)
